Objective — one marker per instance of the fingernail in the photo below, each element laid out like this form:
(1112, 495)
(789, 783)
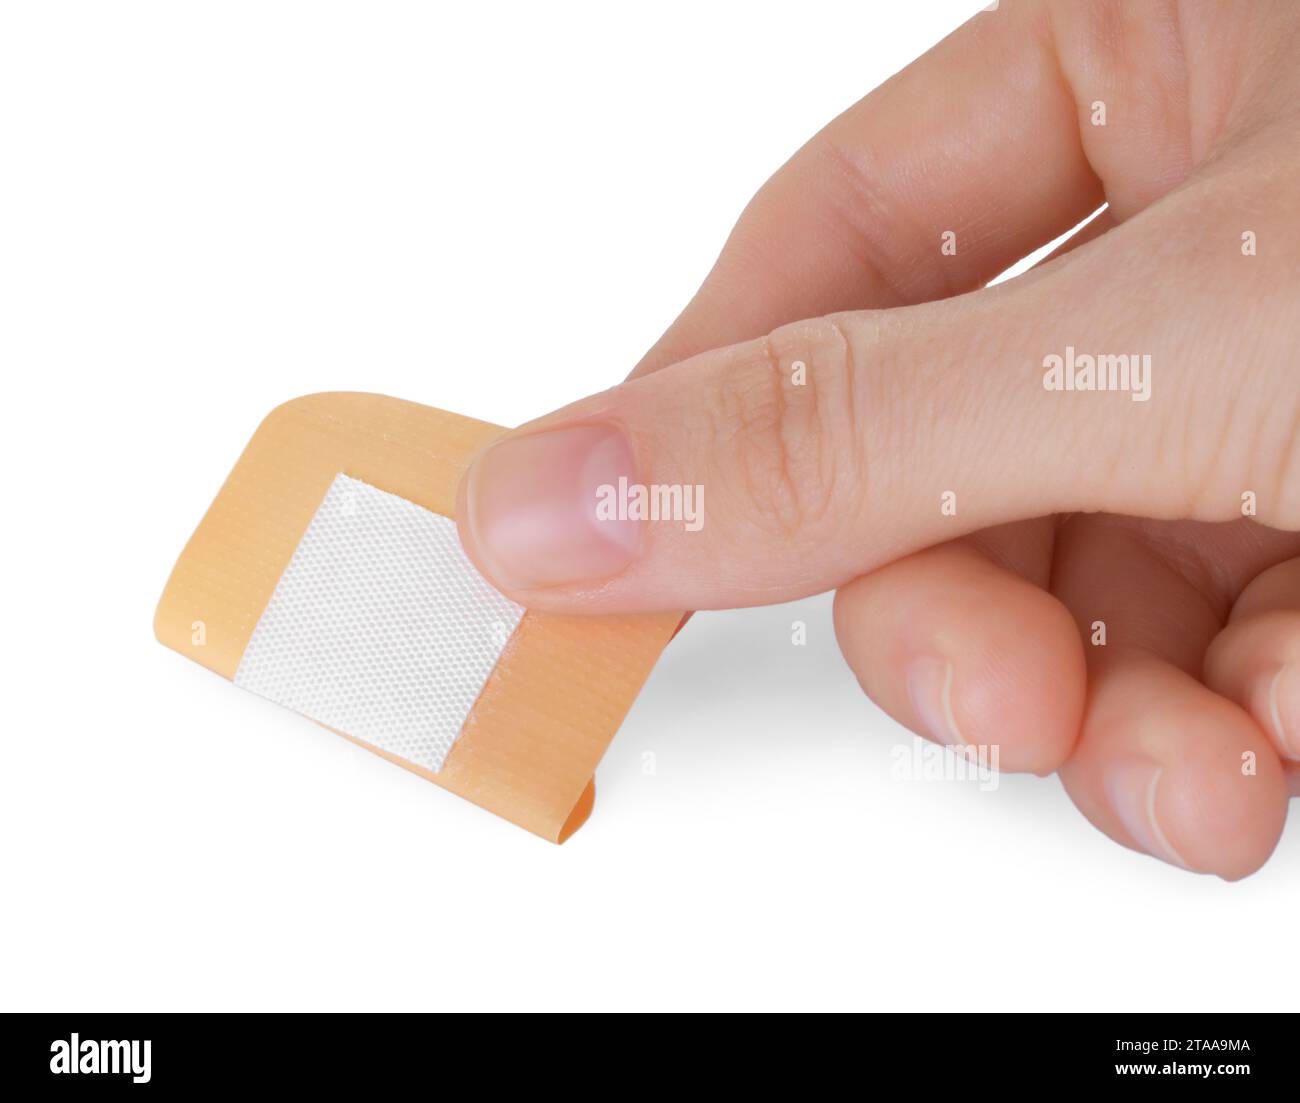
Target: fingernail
(1282, 701)
(531, 506)
(929, 685)
(1131, 787)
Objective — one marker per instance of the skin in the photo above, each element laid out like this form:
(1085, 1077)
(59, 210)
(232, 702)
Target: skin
(1072, 508)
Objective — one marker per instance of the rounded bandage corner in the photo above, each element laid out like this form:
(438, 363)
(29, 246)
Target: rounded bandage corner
(327, 576)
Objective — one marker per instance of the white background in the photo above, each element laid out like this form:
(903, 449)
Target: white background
(206, 209)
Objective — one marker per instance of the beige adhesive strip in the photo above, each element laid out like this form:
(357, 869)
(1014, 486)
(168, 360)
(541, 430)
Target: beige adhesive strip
(529, 748)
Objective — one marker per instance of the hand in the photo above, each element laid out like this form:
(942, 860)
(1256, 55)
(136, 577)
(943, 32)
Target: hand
(1100, 582)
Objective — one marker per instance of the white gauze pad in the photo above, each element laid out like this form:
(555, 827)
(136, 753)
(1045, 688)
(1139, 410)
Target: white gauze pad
(380, 627)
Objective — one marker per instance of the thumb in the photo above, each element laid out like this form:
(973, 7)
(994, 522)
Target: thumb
(782, 467)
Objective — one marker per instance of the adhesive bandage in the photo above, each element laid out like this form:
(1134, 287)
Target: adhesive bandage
(328, 577)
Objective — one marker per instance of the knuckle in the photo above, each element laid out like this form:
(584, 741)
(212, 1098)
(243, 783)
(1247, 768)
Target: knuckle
(787, 428)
